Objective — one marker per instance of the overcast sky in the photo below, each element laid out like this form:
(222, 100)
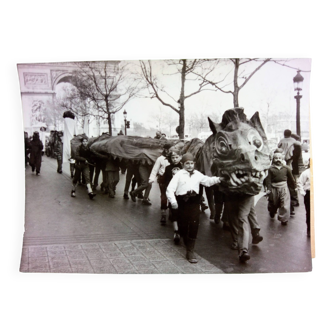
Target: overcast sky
(272, 83)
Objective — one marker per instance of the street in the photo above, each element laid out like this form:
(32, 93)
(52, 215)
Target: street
(105, 235)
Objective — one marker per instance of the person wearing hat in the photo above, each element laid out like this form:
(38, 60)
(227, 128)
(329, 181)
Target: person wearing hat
(83, 156)
(36, 148)
(158, 172)
(183, 195)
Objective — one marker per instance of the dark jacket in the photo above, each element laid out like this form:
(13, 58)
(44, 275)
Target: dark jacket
(82, 154)
(36, 148)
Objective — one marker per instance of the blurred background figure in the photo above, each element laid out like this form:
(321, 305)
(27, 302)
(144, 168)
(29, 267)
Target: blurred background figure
(58, 151)
(36, 148)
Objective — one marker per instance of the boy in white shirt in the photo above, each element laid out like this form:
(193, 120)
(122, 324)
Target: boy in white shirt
(157, 172)
(183, 195)
(304, 189)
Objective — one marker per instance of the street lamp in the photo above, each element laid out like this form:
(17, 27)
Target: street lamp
(127, 123)
(298, 80)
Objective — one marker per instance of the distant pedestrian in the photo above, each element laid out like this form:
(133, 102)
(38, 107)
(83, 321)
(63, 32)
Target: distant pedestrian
(304, 190)
(287, 146)
(26, 149)
(158, 172)
(58, 151)
(83, 157)
(158, 135)
(183, 194)
(277, 182)
(36, 147)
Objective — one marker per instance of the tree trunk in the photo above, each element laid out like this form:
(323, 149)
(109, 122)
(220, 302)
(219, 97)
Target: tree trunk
(236, 87)
(181, 114)
(109, 119)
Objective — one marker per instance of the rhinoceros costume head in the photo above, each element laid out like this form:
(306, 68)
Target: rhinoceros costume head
(237, 151)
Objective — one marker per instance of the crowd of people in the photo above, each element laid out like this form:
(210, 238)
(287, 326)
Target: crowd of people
(181, 187)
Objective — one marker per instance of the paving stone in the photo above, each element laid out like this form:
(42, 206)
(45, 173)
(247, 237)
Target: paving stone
(25, 252)
(155, 257)
(114, 254)
(75, 254)
(62, 269)
(56, 252)
(36, 260)
(55, 247)
(123, 244)
(100, 262)
(169, 270)
(104, 269)
(90, 246)
(25, 260)
(108, 246)
(191, 269)
(119, 261)
(59, 263)
(95, 253)
(73, 247)
(209, 268)
(129, 253)
(76, 263)
(143, 265)
(137, 258)
(33, 267)
(39, 269)
(82, 269)
(39, 251)
(164, 264)
(24, 268)
(127, 247)
(125, 267)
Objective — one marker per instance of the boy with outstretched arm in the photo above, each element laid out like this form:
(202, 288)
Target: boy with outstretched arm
(183, 195)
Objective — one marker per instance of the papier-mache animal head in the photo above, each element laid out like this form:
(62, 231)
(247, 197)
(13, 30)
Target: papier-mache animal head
(238, 152)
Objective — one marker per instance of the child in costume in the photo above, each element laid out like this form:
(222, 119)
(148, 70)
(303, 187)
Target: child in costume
(183, 195)
(278, 180)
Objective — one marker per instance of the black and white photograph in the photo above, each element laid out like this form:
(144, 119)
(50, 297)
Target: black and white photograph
(175, 166)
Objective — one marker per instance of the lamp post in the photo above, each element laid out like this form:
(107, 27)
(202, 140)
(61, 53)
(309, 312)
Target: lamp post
(125, 121)
(298, 80)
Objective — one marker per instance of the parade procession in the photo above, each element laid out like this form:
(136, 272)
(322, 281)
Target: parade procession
(204, 191)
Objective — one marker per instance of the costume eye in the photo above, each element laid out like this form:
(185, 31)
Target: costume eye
(255, 139)
(221, 145)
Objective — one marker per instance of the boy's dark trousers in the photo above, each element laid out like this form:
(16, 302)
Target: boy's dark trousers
(307, 209)
(188, 216)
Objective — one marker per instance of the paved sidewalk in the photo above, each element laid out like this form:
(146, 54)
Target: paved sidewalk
(117, 257)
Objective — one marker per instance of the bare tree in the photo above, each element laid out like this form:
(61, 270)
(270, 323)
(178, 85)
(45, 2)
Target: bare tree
(182, 67)
(106, 86)
(221, 76)
(53, 113)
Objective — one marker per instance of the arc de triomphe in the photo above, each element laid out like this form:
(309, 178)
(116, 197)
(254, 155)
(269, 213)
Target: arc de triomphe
(38, 83)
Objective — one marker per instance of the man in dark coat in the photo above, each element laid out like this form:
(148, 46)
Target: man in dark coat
(36, 147)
